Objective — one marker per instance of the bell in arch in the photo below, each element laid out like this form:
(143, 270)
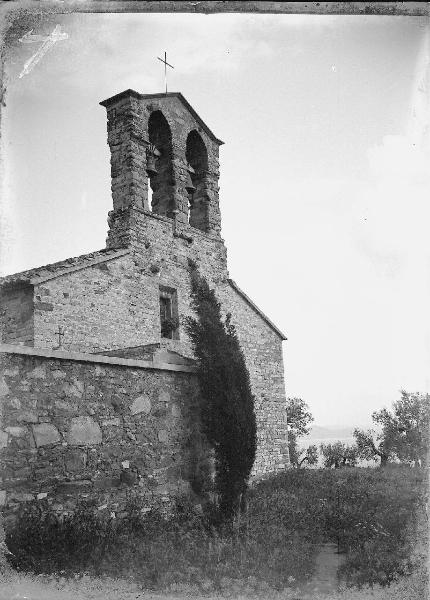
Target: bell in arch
(151, 153)
(189, 185)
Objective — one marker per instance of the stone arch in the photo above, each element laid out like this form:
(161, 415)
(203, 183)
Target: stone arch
(162, 181)
(197, 157)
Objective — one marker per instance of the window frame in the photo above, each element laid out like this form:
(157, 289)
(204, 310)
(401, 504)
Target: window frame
(171, 295)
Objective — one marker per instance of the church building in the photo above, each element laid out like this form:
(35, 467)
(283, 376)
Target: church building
(98, 384)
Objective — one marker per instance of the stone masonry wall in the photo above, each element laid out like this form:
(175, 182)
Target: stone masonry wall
(106, 306)
(79, 427)
(116, 305)
(16, 315)
(154, 241)
(262, 349)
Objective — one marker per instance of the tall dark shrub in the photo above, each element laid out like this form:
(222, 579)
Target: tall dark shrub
(227, 410)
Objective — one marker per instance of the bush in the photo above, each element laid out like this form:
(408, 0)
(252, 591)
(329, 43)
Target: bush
(371, 520)
(369, 513)
(44, 542)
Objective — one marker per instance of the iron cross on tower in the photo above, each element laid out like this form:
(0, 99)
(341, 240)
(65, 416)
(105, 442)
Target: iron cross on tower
(166, 64)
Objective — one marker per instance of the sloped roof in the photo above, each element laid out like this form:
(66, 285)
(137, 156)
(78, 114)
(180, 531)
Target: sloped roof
(47, 272)
(178, 95)
(256, 309)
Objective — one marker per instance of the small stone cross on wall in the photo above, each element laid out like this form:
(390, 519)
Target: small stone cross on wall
(60, 334)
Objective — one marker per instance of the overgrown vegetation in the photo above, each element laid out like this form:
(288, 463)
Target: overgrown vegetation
(339, 455)
(299, 420)
(404, 433)
(43, 542)
(368, 512)
(227, 403)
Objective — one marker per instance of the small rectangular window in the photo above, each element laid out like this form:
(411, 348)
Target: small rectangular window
(169, 320)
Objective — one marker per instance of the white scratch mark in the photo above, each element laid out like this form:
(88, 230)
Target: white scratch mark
(47, 43)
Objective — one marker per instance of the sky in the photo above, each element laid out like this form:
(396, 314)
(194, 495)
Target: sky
(324, 186)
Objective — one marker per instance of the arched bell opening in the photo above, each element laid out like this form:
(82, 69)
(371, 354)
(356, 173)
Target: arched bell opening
(197, 159)
(159, 166)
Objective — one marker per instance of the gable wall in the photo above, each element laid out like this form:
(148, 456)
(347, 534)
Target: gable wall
(115, 304)
(262, 349)
(109, 305)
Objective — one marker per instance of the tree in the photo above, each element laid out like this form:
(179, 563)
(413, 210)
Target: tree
(339, 455)
(405, 430)
(227, 409)
(299, 419)
(371, 446)
(309, 455)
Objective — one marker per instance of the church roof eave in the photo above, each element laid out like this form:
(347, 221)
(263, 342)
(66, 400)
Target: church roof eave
(42, 274)
(256, 309)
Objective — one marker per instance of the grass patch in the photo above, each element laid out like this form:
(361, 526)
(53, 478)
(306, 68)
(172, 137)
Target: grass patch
(370, 513)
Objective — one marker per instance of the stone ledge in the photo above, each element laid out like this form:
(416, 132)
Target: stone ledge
(186, 230)
(95, 358)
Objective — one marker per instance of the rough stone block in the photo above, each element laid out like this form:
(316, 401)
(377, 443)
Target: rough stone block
(22, 497)
(45, 434)
(163, 436)
(11, 372)
(16, 431)
(28, 417)
(72, 390)
(72, 487)
(74, 461)
(79, 385)
(22, 473)
(58, 374)
(106, 483)
(176, 411)
(66, 406)
(4, 390)
(84, 431)
(141, 404)
(115, 422)
(43, 306)
(164, 396)
(15, 403)
(38, 373)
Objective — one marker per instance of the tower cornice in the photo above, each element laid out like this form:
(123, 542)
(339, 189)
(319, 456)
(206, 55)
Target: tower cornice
(132, 93)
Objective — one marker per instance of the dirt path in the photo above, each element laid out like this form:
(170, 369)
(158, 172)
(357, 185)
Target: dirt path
(324, 580)
(25, 587)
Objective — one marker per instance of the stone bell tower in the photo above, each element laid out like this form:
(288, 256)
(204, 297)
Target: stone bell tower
(164, 163)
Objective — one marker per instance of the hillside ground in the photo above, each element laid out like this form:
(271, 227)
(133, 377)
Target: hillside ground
(376, 518)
